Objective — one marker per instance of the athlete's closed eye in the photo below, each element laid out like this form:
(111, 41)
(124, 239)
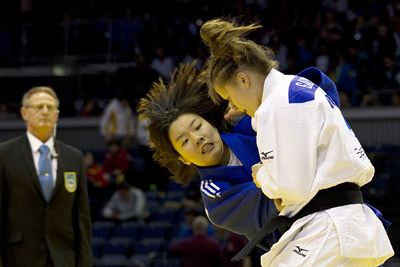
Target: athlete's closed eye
(199, 126)
(184, 142)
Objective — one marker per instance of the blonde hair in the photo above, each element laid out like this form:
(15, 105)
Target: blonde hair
(231, 52)
(37, 89)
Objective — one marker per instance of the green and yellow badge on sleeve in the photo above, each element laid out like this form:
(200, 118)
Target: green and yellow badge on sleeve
(70, 182)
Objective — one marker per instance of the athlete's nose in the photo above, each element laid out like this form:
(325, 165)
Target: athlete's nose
(199, 140)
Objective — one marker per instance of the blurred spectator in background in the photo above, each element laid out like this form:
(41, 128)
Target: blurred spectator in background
(322, 59)
(199, 250)
(230, 245)
(126, 203)
(124, 34)
(391, 72)
(136, 80)
(143, 77)
(346, 78)
(155, 177)
(90, 108)
(305, 52)
(117, 161)
(187, 229)
(192, 199)
(4, 112)
(95, 173)
(396, 98)
(280, 49)
(86, 104)
(162, 63)
(99, 184)
(117, 121)
(361, 61)
(201, 56)
(368, 99)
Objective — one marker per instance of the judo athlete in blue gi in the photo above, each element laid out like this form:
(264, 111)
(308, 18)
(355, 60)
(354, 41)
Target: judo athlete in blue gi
(184, 127)
(311, 160)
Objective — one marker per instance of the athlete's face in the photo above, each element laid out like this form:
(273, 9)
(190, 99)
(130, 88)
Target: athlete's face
(242, 94)
(196, 140)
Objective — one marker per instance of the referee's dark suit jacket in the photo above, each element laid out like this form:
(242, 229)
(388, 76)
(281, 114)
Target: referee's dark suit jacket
(31, 228)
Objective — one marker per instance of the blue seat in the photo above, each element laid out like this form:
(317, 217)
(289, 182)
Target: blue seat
(167, 262)
(128, 229)
(168, 214)
(118, 246)
(112, 260)
(154, 208)
(156, 229)
(103, 229)
(156, 241)
(127, 241)
(144, 248)
(118, 249)
(97, 246)
(172, 186)
(180, 217)
(175, 196)
(152, 195)
(140, 260)
(138, 164)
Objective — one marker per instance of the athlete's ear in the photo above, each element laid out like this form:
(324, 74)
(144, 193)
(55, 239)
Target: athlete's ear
(243, 79)
(184, 161)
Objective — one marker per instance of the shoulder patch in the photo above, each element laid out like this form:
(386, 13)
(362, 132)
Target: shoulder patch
(301, 90)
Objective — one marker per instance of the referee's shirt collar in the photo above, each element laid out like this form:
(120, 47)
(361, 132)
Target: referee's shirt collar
(36, 143)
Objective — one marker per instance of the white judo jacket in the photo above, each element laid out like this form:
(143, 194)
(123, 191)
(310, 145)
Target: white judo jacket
(306, 145)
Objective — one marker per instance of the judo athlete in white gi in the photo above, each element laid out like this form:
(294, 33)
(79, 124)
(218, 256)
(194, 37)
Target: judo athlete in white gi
(305, 146)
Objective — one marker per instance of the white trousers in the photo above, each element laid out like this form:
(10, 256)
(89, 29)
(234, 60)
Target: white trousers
(315, 243)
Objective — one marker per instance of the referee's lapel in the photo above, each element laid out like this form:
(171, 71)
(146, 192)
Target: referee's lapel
(26, 155)
(60, 168)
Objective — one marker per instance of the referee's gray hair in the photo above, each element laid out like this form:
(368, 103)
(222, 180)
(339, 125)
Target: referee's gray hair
(38, 89)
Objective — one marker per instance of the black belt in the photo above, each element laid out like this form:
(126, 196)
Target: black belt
(339, 195)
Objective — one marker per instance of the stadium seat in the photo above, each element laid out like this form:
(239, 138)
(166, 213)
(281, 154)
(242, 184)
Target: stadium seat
(175, 196)
(128, 229)
(103, 229)
(141, 260)
(145, 248)
(152, 195)
(172, 186)
(155, 241)
(112, 260)
(156, 229)
(138, 164)
(118, 246)
(168, 214)
(154, 208)
(167, 262)
(97, 246)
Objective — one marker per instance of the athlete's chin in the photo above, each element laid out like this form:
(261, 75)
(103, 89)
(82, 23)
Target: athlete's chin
(250, 113)
(209, 160)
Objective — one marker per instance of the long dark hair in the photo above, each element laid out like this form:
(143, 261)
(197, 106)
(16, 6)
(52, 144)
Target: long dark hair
(185, 93)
